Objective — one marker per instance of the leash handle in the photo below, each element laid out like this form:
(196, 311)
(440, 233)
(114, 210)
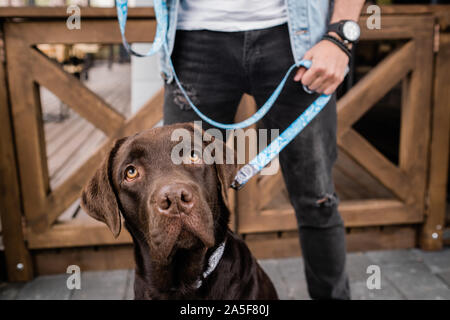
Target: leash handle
(162, 26)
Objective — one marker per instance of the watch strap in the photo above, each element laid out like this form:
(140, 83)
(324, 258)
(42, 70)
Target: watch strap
(336, 27)
(339, 43)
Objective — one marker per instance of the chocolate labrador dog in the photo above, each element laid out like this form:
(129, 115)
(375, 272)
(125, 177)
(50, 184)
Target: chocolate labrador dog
(178, 217)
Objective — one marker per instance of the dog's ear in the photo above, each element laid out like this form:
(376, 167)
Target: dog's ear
(98, 198)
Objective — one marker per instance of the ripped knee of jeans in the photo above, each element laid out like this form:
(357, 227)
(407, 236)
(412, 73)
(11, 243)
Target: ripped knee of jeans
(328, 200)
(180, 100)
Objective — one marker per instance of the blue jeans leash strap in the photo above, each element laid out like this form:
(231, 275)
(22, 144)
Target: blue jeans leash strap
(275, 147)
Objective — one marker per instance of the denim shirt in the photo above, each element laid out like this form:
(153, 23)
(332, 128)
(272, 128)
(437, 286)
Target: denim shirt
(307, 22)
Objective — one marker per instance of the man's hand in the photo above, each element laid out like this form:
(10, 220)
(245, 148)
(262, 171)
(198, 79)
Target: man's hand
(328, 67)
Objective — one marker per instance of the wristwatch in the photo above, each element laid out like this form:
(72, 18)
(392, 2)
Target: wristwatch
(348, 30)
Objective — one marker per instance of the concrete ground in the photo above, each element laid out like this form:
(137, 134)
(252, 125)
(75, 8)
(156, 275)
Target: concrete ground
(404, 274)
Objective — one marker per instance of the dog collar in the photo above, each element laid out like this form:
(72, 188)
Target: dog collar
(213, 261)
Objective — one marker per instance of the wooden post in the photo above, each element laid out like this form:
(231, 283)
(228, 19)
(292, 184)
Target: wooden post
(432, 229)
(18, 261)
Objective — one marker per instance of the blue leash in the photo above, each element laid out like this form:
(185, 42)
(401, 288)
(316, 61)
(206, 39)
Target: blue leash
(278, 144)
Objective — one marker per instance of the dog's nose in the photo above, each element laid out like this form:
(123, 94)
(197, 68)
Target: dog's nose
(174, 199)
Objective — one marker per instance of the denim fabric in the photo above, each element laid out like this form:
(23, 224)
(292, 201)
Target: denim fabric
(307, 21)
(216, 68)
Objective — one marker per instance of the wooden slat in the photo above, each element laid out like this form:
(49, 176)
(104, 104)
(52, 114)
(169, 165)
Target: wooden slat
(361, 97)
(395, 27)
(437, 186)
(359, 213)
(73, 93)
(61, 12)
(148, 12)
(266, 246)
(413, 9)
(29, 135)
(356, 213)
(76, 235)
(61, 198)
(55, 261)
(375, 163)
(92, 31)
(10, 203)
(416, 117)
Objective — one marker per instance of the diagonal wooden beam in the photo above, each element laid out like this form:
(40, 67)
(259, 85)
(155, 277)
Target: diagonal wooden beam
(73, 93)
(359, 99)
(375, 163)
(61, 198)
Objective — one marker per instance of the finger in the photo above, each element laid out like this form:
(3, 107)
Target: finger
(325, 85)
(329, 80)
(318, 84)
(300, 72)
(311, 75)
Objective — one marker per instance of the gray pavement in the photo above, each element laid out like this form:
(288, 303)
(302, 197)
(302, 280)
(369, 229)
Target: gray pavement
(404, 274)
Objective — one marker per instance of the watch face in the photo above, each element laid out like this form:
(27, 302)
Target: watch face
(351, 30)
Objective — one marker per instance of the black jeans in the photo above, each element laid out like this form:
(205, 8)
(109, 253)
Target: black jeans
(216, 68)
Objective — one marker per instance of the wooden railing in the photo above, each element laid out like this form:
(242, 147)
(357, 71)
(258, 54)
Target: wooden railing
(24, 70)
(30, 206)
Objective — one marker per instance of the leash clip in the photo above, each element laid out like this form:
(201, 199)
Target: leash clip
(243, 175)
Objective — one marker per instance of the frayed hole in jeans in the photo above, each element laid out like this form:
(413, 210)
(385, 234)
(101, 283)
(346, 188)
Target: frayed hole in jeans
(180, 100)
(327, 201)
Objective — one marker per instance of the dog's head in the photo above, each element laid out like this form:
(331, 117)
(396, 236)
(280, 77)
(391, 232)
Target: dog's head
(168, 205)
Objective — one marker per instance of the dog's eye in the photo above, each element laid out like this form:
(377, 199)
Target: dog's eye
(131, 173)
(194, 157)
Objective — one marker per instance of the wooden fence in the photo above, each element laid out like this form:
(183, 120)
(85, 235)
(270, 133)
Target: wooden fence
(412, 193)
